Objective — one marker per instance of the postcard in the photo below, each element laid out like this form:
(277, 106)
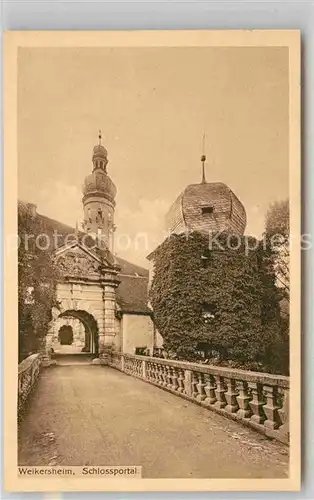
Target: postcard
(152, 261)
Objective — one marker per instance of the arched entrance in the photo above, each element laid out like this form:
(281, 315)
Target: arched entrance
(91, 329)
(65, 335)
(73, 332)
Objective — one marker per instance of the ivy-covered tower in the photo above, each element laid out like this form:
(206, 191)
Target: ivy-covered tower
(99, 198)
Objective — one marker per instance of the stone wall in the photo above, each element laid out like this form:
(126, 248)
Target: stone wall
(137, 331)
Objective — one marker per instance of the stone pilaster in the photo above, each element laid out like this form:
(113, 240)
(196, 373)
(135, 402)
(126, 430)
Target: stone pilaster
(107, 332)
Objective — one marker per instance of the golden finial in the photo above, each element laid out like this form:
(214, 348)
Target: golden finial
(99, 137)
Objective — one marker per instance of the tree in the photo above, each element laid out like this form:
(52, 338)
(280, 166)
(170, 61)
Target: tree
(36, 284)
(277, 232)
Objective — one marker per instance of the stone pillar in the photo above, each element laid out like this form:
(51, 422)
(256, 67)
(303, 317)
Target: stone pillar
(107, 333)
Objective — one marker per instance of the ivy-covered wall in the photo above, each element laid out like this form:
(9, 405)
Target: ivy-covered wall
(222, 297)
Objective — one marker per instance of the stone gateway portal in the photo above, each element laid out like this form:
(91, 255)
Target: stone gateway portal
(101, 299)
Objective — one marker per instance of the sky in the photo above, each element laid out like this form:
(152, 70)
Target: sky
(153, 106)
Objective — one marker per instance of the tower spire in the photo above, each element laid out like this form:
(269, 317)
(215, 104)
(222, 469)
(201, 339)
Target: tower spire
(99, 137)
(203, 159)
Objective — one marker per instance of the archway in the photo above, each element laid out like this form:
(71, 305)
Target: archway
(65, 335)
(66, 339)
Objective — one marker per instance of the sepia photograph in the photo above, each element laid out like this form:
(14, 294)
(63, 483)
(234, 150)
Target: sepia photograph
(152, 261)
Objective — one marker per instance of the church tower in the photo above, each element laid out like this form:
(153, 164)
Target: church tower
(99, 199)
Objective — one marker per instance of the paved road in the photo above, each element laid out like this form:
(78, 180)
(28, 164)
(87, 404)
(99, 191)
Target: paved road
(95, 415)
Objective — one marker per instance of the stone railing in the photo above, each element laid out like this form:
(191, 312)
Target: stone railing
(28, 372)
(258, 400)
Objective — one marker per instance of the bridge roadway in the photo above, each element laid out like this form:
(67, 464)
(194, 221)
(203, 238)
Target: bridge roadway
(94, 415)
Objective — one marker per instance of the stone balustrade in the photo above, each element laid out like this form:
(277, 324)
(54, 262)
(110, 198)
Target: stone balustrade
(28, 372)
(258, 400)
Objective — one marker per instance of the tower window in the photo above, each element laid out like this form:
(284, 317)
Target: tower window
(207, 210)
(89, 212)
(100, 217)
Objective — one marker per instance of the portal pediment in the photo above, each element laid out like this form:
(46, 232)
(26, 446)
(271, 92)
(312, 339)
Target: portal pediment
(76, 261)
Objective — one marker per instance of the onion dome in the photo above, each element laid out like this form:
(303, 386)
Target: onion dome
(99, 152)
(98, 183)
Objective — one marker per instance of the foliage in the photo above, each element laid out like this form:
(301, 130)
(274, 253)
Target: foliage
(277, 232)
(36, 284)
(224, 296)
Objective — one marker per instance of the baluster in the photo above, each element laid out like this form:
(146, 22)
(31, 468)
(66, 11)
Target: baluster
(201, 394)
(256, 403)
(150, 371)
(169, 374)
(174, 379)
(158, 375)
(284, 416)
(231, 396)
(188, 382)
(243, 400)
(161, 375)
(194, 383)
(164, 376)
(220, 392)
(180, 380)
(143, 372)
(271, 408)
(210, 391)
(153, 371)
